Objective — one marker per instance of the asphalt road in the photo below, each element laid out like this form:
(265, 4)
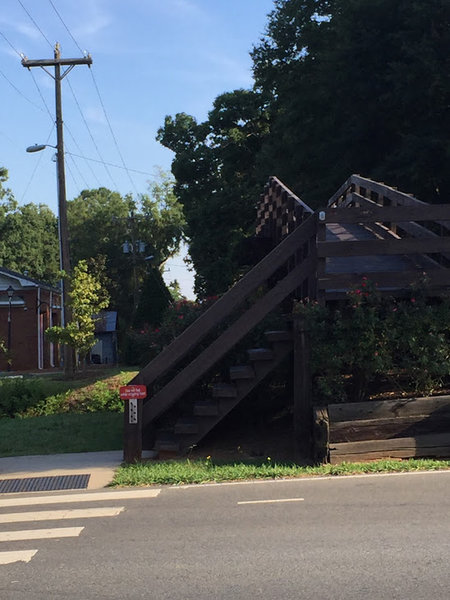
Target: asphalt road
(369, 537)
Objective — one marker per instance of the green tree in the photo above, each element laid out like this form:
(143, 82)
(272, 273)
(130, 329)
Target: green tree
(175, 290)
(104, 224)
(28, 236)
(217, 182)
(86, 299)
(357, 86)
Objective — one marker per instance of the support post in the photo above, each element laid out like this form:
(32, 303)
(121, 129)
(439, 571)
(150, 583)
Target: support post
(134, 396)
(321, 262)
(302, 388)
(132, 440)
(57, 62)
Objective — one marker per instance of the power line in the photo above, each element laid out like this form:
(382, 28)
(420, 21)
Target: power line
(77, 185)
(67, 29)
(111, 164)
(36, 166)
(79, 150)
(86, 185)
(41, 95)
(19, 54)
(21, 93)
(91, 136)
(112, 133)
(36, 25)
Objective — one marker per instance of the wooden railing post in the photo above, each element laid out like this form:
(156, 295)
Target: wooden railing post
(133, 396)
(302, 388)
(321, 261)
(132, 431)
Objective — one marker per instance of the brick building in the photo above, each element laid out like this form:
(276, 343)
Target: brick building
(27, 308)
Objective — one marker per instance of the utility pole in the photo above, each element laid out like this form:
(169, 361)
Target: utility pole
(64, 256)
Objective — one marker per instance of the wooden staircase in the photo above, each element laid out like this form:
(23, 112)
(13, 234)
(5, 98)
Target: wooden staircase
(368, 229)
(224, 396)
(288, 268)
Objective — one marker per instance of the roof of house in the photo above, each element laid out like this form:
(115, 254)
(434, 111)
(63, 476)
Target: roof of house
(107, 322)
(22, 280)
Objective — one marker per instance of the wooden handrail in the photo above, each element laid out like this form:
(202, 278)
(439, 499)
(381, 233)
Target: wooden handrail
(291, 194)
(378, 188)
(373, 212)
(224, 306)
(280, 211)
(165, 397)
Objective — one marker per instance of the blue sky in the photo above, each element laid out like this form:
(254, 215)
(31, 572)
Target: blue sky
(150, 58)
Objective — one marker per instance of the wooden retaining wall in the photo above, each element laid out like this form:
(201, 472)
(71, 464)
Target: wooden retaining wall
(402, 428)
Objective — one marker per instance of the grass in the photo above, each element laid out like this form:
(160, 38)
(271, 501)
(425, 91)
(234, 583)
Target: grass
(78, 427)
(56, 384)
(54, 434)
(177, 472)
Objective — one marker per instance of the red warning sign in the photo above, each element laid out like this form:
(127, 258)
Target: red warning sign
(131, 392)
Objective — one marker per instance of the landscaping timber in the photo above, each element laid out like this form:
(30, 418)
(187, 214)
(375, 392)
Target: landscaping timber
(401, 428)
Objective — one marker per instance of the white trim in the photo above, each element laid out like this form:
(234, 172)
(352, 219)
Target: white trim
(14, 302)
(39, 333)
(50, 324)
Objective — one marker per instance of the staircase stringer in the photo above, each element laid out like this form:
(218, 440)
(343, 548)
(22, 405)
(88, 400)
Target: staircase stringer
(226, 405)
(189, 339)
(171, 392)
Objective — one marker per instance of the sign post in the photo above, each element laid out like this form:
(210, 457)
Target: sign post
(133, 395)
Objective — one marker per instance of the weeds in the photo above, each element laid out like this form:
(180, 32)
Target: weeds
(177, 472)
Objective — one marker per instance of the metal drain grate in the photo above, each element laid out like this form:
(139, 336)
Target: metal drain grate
(44, 484)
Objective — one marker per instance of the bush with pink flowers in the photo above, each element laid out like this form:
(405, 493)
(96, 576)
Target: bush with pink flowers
(371, 337)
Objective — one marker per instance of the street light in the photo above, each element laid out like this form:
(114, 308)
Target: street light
(10, 292)
(39, 147)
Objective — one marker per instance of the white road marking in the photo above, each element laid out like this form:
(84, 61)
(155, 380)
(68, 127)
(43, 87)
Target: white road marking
(272, 501)
(85, 497)
(40, 534)
(53, 515)
(6, 558)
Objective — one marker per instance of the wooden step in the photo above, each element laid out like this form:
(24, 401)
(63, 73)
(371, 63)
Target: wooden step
(278, 336)
(206, 408)
(241, 372)
(167, 442)
(224, 390)
(260, 354)
(186, 425)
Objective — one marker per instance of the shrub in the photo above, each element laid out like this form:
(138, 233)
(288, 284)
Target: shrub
(140, 347)
(98, 397)
(368, 336)
(18, 394)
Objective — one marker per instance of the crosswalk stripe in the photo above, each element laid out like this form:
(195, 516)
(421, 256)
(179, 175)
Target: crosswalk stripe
(54, 515)
(39, 534)
(6, 558)
(84, 497)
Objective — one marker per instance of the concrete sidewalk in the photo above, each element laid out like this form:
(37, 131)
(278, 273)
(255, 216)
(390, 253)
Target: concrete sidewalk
(100, 466)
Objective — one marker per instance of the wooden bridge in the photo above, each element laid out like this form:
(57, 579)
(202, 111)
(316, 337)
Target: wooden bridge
(366, 229)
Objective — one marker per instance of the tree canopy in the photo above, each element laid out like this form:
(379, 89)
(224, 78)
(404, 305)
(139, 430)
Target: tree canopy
(357, 87)
(341, 87)
(86, 300)
(129, 237)
(28, 236)
(216, 181)
(125, 242)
